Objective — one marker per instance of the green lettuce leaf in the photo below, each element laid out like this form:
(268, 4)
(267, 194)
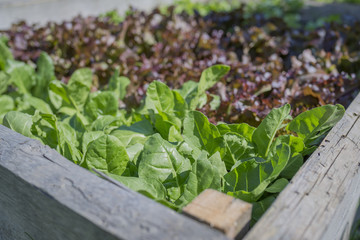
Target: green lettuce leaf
(277, 186)
(5, 54)
(4, 82)
(118, 85)
(150, 187)
(7, 104)
(160, 160)
(106, 154)
(313, 124)
(237, 148)
(21, 75)
(265, 132)
(249, 179)
(19, 122)
(45, 74)
(208, 78)
(88, 137)
(78, 87)
(101, 103)
(244, 129)
(159, 97)
(200, 133)
(203, 175)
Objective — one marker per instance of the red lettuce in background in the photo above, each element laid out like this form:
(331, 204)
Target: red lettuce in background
(271, 63)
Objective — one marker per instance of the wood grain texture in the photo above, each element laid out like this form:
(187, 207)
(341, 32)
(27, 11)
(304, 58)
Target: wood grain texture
(321, 200)
(230, 215)
(45, 196)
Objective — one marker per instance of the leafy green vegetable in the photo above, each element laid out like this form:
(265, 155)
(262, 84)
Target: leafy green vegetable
(208, 78)
(88, 137)
(296, 160)
(106, 154)
(79, 86)
(260, 207)
(203, 175)
(165, 149)
(58, 94)
(101, 103)
(68, 144)
(45, 71)
(7, 104)
(4, 82)
(19, 122)
(277, 186)
(200, 133)
(160, 160)
(45, 128)
(159, 97)
(237, 148)
(118, 85)
(5, 54)
(312, 125)
(21, 75)
(38, 104)
(265, 132)
(168, 125)
(249, 180)
(129, 138)
(243, 129)
(149, 187)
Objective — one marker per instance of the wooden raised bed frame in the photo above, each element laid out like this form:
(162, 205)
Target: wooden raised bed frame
(45, 196)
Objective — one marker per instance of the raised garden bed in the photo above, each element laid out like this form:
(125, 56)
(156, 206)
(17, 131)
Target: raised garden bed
(44, 195)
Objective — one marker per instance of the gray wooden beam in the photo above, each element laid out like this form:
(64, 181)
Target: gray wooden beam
(321, 200)
(45, 196)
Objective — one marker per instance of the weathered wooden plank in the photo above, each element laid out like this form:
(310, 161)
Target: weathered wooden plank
(230, 215)
(321, 200)
(45, 196)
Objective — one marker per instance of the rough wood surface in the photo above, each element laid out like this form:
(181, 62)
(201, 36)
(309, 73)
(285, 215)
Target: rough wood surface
(321, 200)
(45, 196)
(230, 215)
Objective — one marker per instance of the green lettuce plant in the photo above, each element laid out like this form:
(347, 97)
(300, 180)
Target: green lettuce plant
(165, 149)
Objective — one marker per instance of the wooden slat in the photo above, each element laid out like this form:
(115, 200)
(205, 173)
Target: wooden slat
(45, 196)
(230, 215)
(321, 200)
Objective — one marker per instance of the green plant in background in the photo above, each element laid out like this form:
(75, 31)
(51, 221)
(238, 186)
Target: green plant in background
(287, 9)
(165, 149)
(322, 21)
(205, 8)
(274, 8)
(114, 16)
